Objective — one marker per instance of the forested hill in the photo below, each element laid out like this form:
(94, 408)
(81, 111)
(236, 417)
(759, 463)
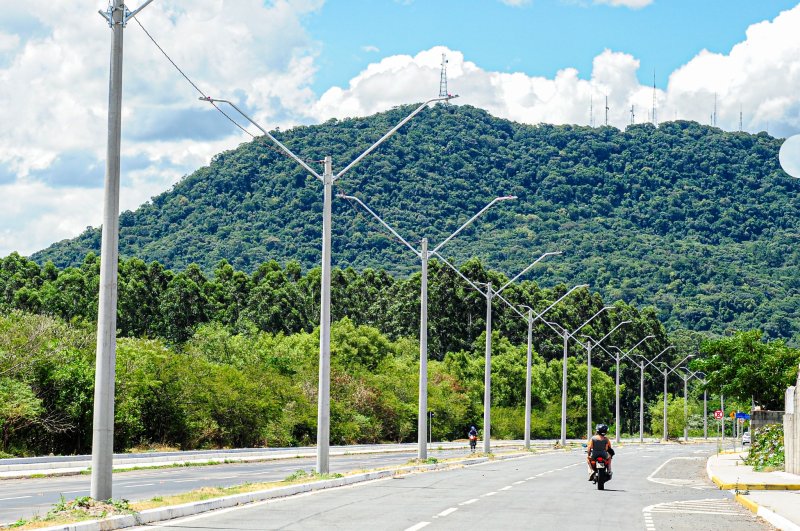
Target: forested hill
(698, 222)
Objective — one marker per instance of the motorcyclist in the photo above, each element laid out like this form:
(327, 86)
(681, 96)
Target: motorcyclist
(599, 446)
(473, 438)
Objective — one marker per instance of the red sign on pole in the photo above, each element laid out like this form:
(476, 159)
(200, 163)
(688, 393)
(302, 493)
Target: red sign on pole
(718, 414)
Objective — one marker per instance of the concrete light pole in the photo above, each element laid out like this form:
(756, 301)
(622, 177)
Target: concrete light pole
(619, 357)
(117, 16)
(424, 255)
(589, 427)
(327, 179)
(642, 364)
(487, 365)
(566, 335)
(686, 377)
(666, 371)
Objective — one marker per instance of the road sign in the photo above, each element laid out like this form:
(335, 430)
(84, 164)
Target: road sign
(741, 420)
(733, 414)
(742, 415)
(718, 414)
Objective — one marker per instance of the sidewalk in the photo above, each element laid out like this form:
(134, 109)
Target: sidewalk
(774, 496)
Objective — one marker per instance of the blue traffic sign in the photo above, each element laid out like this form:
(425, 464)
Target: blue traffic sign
(741, 415)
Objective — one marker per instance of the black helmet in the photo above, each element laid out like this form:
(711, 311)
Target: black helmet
(602, 429)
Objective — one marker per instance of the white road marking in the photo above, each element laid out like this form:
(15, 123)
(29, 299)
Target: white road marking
(519, 482)
(488, 494)
(674, 482)
(530, 478)
(185, 480)
(507, 487)
(139, 485)
(447, 511)
(473, 500)
(75, 491)
(18, 498)
(418, 526)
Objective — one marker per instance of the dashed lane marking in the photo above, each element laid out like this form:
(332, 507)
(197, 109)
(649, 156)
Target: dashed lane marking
(473, 500)
(530, 478)
(488, 494)
(417, 526)
(519, 482)
(451, 510)
(507, 487)
(15, 498)
(139, 485)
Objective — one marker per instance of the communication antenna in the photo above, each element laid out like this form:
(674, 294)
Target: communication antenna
(740, 117)
(606, 110)
(655, 121)
(714, 116)
(443, 78)
(591, 111)
(633, 115)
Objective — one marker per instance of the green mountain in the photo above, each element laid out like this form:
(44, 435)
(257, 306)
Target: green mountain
(698, 222)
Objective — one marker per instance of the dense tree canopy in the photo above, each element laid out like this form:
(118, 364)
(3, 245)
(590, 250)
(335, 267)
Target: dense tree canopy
(698, 222)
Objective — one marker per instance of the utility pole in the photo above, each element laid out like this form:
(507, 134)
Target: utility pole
(424, 255)
(487, 372)
(327, 179)
(117, 16)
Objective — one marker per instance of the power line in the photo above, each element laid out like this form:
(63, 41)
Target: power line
(203, 94)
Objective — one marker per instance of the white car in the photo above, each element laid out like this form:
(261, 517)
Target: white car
(746, 438)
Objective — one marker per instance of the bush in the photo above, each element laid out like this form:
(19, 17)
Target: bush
(766, 448)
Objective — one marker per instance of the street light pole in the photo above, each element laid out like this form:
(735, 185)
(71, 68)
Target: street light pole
(528, 369)
(589, 427)
(619, 357)
(489, 295)
(686, 378)
(327, 179)
(567, 335)
(117, 17)
(424, 255)
(642, 365)
(487, 372)
(667, 371)
(531, 320)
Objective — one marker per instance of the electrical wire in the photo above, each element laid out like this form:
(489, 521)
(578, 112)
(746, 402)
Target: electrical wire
(206, 97)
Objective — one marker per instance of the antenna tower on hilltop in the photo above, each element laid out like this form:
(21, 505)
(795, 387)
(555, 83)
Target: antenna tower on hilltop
(633, 115)
(606, 110)
(591, 111)
(655, 121)
(443, 78)
(740, 117)
(714, 116)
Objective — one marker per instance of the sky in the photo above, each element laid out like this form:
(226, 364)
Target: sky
(293, 62)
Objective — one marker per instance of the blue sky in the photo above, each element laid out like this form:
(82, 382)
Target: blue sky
(291, 62)
(538, 38)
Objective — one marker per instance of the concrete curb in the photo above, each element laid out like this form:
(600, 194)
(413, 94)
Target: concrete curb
(67, 468)
(188, 509)
(747, 486)
(772, 517)
(762, 512)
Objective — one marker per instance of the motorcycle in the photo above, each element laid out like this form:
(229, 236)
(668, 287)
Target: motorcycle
(473, 442)
(601, 472)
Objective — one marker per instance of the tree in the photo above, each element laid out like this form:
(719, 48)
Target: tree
(745, 367)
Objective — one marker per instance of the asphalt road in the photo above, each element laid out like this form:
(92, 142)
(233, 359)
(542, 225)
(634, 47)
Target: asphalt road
(23, 498)
(654, 487)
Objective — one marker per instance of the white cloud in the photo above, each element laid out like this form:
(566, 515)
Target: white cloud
(633, 4)
(370, 48)
(54, 92)
(758, 75)
(516, 3)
